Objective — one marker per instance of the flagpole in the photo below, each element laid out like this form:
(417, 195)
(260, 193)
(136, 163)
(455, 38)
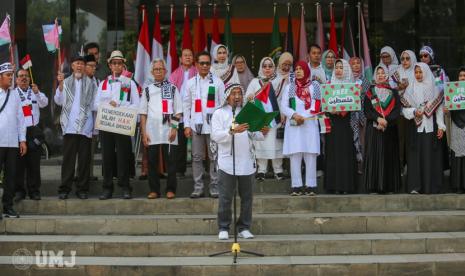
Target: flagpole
(12, 60)
(30, 73)
(359, 30)
(59, 51)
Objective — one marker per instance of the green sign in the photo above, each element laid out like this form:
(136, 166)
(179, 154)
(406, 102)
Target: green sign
(454, 95)
(340, 97)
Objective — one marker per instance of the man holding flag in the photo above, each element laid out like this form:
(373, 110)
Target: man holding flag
(32, 100)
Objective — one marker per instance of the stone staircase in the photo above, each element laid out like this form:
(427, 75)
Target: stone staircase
(323, 235)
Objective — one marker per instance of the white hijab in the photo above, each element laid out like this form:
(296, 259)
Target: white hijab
(423, 91)
(217, 68)
(392, 68)
(408, 73)
(261, 75)
(347, 77)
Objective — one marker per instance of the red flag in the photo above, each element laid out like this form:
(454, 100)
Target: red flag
(157, 48)
(186, 35)
(302, 47)
(201, 44)
(215, 31)
(332, 32)
(142, 68)
(172, 55)
(320, 35)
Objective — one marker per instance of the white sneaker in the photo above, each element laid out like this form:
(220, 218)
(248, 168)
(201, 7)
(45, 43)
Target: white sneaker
(245, 234)
(223, 235)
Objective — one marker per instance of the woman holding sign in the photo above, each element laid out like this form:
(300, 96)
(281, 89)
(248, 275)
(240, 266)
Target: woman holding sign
(457, 145)
(340, 163)
(300, 104)
(425, 152)
(382, 109)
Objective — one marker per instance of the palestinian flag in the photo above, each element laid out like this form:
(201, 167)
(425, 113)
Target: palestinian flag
(266, 100)
(211, 97)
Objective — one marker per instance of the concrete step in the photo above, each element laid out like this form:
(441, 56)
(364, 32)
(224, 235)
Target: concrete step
(269, 245)
(374, 265)
(263, 204)
(263, 224)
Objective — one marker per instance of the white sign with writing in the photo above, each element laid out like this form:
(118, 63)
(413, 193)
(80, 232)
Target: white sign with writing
(119, 120)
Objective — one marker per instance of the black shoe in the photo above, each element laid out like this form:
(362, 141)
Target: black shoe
(106, 195)
(310, 191)
(143, 177)
(296, 191)
(260, 176)
(63, 196)
(35, 197)
(10, 213)
(82, 195)
(19, 196)
(126, 195)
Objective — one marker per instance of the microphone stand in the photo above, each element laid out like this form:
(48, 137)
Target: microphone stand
(236, 248)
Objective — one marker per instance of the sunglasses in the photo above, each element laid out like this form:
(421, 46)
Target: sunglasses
(204, 63)
(424, 56)
(404, 58)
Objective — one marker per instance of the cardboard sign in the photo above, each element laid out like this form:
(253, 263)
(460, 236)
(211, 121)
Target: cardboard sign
(119, 120)
(454, 95)
(340, 97)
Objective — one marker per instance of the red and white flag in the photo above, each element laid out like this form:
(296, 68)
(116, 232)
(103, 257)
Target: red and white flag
(142, 68)
(325, 124)
(172, 55)
(320, 34)
(332, 32)
(215, 31)
(302, 48)
(157, 48)
(186, 34)
(201, 44)
(26, 62)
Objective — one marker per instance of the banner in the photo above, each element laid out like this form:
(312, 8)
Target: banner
(455, 95)
(119, 120)
(340, 97)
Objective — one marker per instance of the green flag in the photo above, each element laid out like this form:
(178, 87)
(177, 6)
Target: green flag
(228, 33)
(276, 48)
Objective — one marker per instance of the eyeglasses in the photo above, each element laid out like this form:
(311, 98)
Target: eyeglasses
(404, 58)
(424, 56)
(204, 63)
(158, 69)
(23, 76)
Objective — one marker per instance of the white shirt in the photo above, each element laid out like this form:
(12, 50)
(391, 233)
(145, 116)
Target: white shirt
(12, 124)
(427, 124)
(113, 94)
(190, 97)
(155, 129)
(72, 126)
(318, 72)
(244, 158)
(37, 101)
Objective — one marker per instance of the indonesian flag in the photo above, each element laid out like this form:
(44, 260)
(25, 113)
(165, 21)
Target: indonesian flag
(320, 35)
(27, 112)
(186, 35)
(26, 62)
(215, 31)
(302, 47)
(142, 68)
(201, 44)
(171, 55)
(157, 48)
(332, 32)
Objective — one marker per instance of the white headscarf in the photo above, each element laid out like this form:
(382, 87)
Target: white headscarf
(408, 73)
(347, 77)
(392, 68)
(217, 68)
(424, 91)
(261, 75)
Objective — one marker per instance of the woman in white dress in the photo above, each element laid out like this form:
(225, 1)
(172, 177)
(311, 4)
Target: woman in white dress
(262, 92)
(300, 104)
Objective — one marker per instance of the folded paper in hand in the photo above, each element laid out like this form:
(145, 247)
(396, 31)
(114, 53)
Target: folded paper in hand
(255, 117)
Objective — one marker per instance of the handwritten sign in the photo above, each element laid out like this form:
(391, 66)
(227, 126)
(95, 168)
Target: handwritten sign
(340, 97)
(119, 120)
(454, 95)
